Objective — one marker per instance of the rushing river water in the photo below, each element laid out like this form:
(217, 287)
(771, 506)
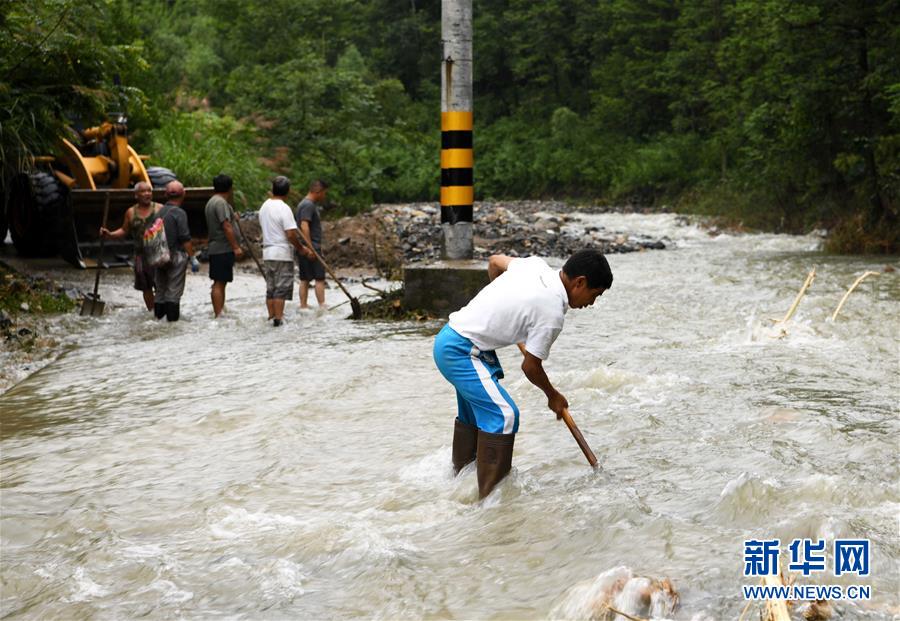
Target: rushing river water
(228, 469)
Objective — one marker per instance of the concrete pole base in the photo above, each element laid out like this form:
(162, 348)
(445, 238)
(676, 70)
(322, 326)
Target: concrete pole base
(444, 287)
(457, 241)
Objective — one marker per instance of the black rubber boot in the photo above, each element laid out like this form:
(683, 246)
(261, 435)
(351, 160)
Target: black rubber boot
(173, 311)
(494, 459)
(159, 310)
(465, 439)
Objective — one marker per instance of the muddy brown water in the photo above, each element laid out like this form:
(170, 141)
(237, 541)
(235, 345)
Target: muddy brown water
(228, 469)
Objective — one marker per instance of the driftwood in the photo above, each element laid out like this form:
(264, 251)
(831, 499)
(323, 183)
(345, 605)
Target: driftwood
(776, 609)
(849, 291)
(625, 614)
(800, 294)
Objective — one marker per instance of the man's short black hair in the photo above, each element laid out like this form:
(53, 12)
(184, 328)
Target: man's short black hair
(318, 185)
(222, 183)
(592, 265)
(281, 185)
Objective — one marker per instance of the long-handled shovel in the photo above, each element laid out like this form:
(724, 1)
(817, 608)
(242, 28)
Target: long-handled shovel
(576, 433)
(354, 303)
(237, 220)
(573, 428)
(91, 304)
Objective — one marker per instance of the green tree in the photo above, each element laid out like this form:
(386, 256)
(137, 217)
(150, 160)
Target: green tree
(59, 61)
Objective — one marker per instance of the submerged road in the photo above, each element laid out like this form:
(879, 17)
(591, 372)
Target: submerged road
(227, 468)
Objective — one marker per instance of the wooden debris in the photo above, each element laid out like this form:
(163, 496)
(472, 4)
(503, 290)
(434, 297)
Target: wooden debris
(849, 291)
(637, 595)
(800, 294)
(625, 614)
(776, 609)
(819, 610)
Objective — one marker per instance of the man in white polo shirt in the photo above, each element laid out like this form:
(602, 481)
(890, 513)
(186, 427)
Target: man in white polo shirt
(279, 233)
(525, 305)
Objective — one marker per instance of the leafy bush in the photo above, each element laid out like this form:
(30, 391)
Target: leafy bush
(199, 145)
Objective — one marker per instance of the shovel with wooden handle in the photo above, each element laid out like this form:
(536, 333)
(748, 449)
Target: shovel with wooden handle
(91, 305)
(573, 428)
(354, 303)
(237, 220)
(582, 443)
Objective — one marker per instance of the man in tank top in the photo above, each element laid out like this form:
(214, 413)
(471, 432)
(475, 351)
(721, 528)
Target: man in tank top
(525, 305)
(137, 218)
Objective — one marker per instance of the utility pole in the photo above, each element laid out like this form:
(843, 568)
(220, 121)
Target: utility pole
(457, 191)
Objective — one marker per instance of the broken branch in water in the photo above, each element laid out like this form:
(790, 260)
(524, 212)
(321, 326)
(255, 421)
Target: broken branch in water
(625, 614)
(800, 294)
(368, 286)
(849, 291)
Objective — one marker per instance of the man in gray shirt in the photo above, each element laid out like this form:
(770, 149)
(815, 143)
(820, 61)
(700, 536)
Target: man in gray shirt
(223, 246)
(310, 224)
(170, 278)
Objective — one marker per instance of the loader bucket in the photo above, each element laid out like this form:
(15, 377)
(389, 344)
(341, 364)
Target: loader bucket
(81, 227)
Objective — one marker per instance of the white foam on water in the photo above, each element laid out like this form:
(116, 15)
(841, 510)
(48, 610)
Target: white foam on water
(669, 227)
(143, 551)
(234, 562)
(170, 593)
(619, 588)
(84, 588)
(239, 522)
(746, 496)
(371, 545)
(283, 578)
(432, 470)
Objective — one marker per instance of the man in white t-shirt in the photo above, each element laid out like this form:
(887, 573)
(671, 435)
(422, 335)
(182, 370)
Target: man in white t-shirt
(279, 233)
(525, 305)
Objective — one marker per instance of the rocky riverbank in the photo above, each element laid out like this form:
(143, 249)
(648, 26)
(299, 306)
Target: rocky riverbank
(388, 236)
(29, 308)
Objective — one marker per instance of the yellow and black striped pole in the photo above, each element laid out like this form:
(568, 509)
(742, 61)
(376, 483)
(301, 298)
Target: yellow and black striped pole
(457, 180)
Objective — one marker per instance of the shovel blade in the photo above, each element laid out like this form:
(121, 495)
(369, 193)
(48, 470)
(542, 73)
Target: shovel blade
(91, 307)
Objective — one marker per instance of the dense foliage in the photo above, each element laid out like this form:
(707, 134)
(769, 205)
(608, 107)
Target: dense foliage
(781, 114)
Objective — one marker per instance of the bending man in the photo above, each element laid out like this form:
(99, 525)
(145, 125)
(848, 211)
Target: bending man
(524, 304)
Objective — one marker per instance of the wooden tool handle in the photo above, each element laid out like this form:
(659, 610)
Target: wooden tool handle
(326, 266)
(237, 220)
(100, 251)
(576, 433)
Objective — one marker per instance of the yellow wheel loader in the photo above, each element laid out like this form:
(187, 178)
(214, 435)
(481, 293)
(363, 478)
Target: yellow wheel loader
(58, 207)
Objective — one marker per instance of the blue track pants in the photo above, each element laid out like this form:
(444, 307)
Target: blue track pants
(481, 400)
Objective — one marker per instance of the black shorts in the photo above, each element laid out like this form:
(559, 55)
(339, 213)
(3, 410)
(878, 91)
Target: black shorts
(221, 267)
(310, 269)
(144, 274)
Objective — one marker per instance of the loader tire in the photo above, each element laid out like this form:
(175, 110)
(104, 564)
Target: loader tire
(34, 211)
(160, 176)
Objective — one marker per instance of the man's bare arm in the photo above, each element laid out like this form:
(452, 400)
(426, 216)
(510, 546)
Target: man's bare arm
(307, 238)
(232, 239)
(120, 232)
(497, 264)
(533, 367)
(294, 238)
